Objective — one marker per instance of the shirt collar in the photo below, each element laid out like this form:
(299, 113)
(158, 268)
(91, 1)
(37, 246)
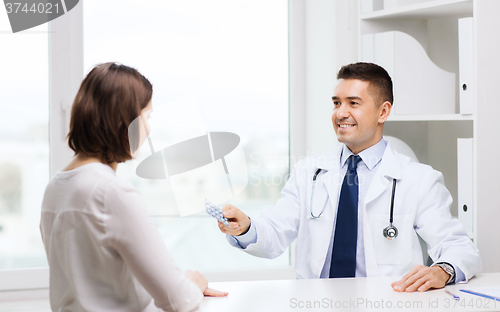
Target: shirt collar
(370, 156)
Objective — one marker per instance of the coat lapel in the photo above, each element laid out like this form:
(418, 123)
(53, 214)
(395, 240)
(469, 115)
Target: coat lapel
(331, 178)
(390, 168)
(326, 192)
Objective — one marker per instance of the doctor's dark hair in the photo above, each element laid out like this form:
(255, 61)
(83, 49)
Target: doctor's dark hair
(109, 99)
(379, 79)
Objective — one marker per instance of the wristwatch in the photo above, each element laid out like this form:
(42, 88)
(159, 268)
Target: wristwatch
(448, 268)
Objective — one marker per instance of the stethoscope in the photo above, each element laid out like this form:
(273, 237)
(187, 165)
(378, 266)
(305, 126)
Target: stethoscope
(390, 232)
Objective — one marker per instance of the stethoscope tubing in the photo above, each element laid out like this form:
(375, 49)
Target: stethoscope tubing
(312, 196)
(391, 217)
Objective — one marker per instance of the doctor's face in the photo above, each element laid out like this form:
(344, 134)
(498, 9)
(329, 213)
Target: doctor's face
(357, 119)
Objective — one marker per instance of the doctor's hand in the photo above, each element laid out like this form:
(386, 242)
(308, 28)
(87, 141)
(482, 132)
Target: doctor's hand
(422, 278)
(239, 222)
(202, 284)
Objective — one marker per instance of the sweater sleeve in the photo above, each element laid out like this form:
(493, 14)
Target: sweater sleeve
(135, 237)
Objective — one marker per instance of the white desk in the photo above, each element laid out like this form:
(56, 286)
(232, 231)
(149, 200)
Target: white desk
(351, 294)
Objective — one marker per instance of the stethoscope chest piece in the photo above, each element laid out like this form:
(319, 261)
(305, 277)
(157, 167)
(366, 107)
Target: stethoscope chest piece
(390, 232)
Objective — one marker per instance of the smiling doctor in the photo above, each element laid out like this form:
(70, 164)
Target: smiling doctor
(361, 209)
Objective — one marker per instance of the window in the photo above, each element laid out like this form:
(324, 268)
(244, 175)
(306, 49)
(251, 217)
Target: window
(215, 66)
(228, 58)
(24, 144)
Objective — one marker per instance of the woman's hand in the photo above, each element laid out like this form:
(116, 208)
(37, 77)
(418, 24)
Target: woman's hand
(202, 283)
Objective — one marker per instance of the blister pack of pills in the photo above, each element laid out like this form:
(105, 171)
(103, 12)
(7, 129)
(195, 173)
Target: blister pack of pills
(215, 212)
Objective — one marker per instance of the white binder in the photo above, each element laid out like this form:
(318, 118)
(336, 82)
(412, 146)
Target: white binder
(465, 184)
(368, 6)
(466, 62)
(420, 86)
(367, 48)
(390, 4)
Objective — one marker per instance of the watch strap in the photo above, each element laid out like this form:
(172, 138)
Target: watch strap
(448, 268)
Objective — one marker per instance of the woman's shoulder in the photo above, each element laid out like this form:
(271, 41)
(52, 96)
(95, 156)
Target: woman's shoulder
(85, 187)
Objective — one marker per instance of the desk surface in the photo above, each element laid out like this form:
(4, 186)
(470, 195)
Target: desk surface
(349, 294)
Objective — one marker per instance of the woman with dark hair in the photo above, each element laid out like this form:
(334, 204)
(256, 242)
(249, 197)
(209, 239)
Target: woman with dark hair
(104, 253)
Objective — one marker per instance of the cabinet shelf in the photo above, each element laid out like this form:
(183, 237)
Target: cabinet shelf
(425, 10)
(436, 117)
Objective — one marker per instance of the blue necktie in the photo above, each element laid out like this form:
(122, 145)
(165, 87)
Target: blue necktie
(346, 229)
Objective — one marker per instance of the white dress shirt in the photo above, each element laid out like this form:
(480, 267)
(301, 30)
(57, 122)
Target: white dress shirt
(104, 252)
(370, 158)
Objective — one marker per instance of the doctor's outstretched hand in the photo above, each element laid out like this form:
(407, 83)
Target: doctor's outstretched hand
(421, 278)
(239, 222)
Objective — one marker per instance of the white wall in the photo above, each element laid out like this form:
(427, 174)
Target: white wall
(330, 42)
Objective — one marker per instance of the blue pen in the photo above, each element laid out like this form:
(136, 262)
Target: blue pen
(452, 294)
(480, 294)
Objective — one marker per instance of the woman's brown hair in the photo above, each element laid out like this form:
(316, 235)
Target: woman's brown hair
(109, 99)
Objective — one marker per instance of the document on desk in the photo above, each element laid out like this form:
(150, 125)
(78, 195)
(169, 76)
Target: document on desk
(491, 292)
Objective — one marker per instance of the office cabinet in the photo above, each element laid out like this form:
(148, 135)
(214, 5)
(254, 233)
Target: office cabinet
(460, 37)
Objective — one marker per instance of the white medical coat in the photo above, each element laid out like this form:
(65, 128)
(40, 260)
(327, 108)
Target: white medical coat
(421, 209)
